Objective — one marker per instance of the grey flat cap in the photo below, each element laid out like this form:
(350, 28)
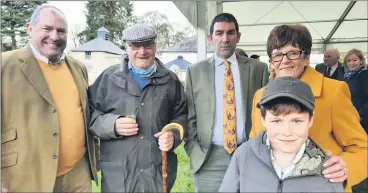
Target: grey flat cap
(139, 33)
(288, 87)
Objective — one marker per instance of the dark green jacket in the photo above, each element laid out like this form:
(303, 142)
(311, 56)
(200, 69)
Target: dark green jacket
(133, 164)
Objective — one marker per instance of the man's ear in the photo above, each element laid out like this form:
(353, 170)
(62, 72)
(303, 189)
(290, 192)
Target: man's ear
(209, 38)
(29, 28)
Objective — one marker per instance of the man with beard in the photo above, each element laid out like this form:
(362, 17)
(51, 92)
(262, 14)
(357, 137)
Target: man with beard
(131, 103)
(220, 90)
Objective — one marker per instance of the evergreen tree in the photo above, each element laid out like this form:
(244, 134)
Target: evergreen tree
(14, 16)
(115, 16)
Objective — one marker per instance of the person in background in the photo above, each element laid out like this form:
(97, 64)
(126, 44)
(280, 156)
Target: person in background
(356, 76)
(46, 145)
(255, 56)
(286, 107)
(331, 67)
(241, 52)
(336, 127)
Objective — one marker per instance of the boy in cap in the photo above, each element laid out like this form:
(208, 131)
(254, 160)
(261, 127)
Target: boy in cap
(131, 102)
(282, 158)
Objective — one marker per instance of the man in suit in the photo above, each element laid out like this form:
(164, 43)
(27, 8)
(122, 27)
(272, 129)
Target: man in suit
(331, 67)
(46, 146)
(219, 91)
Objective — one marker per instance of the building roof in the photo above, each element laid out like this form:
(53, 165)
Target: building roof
(103, 29)
(100, 44)
(178, 62)
(188, 45)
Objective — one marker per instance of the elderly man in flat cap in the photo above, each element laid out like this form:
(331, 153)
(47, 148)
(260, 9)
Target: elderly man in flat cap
(130, 104)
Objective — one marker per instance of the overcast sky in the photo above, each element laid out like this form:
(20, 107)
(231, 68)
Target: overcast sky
(74, 12)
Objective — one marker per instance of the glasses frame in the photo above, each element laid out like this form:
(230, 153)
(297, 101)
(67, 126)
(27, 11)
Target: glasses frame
(147, 46)
(286, 54)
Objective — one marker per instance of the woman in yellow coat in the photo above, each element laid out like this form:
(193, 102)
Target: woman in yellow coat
(336, 128)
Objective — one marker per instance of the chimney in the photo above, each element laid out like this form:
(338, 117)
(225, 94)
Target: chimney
(103, 34)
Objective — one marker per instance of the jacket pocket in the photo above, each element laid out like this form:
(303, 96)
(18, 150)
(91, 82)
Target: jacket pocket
(9, 160)
(8, 135)
(113, 176)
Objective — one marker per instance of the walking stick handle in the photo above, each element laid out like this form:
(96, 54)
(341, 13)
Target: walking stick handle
(168, 127)
(172, 126)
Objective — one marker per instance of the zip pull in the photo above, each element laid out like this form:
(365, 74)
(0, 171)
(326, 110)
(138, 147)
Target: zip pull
(279, 188)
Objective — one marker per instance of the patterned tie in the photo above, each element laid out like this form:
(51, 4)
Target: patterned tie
(328, 72)
(229, 110)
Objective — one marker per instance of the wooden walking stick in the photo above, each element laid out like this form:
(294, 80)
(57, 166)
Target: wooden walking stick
(168, 127)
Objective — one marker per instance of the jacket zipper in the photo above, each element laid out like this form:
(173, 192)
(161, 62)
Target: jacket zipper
(281, 181)
(279, 187)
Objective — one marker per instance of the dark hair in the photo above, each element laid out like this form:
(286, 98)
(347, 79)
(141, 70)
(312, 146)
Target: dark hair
(224, 17)
(241, 52)
(284, 106)
(297, 35)
(255, 56)
(358, 53)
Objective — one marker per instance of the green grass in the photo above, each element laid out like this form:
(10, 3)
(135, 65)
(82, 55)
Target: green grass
(184, 178)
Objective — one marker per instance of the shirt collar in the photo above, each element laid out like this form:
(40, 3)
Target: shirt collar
(44, 58)
(334, 66)
(130, 65)
(298, 156)
(232, 59)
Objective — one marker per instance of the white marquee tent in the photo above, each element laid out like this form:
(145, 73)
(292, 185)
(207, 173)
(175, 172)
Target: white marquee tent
(332, 24)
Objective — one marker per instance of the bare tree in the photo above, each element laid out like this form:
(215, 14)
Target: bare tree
(74, 35)
(168, 34)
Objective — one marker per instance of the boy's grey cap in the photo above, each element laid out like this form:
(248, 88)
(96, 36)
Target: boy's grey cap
(139, 33)
(288, 87)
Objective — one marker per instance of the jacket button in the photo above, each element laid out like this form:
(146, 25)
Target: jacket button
(54, 156)
(142, 104)
(141, 170)
(54, 110)
(142, 137)
(55, 134)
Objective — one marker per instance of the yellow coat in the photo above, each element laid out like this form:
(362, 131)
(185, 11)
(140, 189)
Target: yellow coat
(336, 126)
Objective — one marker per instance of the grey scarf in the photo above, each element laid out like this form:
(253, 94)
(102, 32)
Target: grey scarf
(348, 73)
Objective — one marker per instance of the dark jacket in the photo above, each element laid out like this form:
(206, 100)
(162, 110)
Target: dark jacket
(133, 164)
(251, 170)
(337, 75)
(358, 85)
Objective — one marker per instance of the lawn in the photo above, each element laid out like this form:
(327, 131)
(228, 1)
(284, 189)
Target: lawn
(184, 178)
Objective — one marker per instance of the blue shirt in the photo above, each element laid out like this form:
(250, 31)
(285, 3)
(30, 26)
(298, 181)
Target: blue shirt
(219, 89)
(141, 81)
